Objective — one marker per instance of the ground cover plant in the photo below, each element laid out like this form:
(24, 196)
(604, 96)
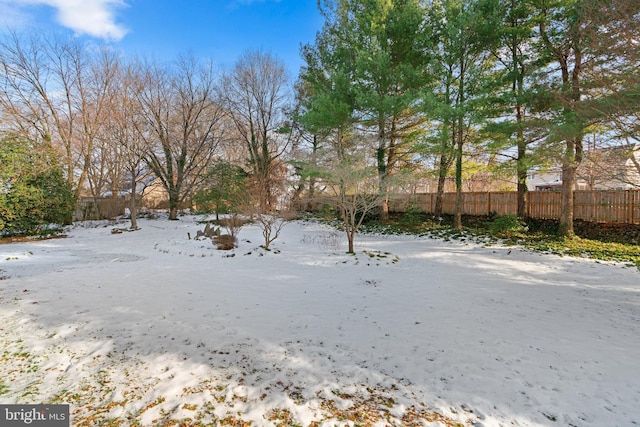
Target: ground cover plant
(599, 241)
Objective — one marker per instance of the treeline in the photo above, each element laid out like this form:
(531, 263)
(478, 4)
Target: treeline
(504, 85)
(390, 89)
(113, 125)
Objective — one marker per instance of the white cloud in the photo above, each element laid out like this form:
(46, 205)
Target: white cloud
(95, 18)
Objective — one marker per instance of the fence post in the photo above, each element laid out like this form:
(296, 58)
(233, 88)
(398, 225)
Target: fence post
(489, 203)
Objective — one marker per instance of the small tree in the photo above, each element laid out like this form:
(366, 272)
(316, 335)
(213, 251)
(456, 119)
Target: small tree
(33, 190)
(354, 186)
(224, 187)
(270, 221)
(271, 226)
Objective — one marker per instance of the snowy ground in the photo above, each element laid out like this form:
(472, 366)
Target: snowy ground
(151, 328)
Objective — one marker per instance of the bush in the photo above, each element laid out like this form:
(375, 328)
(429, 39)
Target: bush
(225, 242)
(33, 191)
(506, 225)
(223, 191)
(328, 213)
(232, 224)
(413, 216)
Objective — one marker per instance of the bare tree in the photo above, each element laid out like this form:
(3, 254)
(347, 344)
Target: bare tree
(354, 186)
(56, 92)
(255, 94)
(123, 140)
(105, 164)
(271, 225)
(183, 124)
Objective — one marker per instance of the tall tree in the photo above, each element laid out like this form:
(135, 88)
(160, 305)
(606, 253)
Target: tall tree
(122, 135)
(593, 51)
(184, 125)
(464, 61)
(390, 48)
(56, 92)
(563, 42)
(513, 46)
(329, 105)
(256, 96)
(438, 104)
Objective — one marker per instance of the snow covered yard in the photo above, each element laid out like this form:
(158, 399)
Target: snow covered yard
(151, 328)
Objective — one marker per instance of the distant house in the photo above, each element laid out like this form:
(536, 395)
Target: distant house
(154, 194)
(550, 180)
(613, 168)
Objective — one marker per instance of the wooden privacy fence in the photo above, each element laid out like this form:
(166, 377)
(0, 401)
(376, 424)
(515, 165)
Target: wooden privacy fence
(89, 208)
(598, 206)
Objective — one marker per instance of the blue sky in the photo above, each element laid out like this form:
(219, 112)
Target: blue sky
(217, 29)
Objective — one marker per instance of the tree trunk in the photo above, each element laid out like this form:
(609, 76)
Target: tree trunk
(522, 194)
(389, 168)
(566, 215)
(572, 159)
(384, 207)
(350, 242)
(457, 221)
(522, 171)
(522, 168)
(312, 179)
(311, 195)
(382, 169)
(173, 205)
(133, 205)
(443, 170)
(382, 183)
(173, 212)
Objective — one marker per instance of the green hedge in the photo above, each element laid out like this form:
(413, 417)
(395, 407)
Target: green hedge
(33, 191)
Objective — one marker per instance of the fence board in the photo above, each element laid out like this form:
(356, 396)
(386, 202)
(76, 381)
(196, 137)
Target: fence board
(475, 203)
(544, 204)
(504, 202)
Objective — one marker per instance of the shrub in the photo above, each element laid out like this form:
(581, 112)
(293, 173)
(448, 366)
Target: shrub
(225, 242)
(327, 213)
(232, 224)
(33, 191)
(412, 216)
(506, 225)
(224, 189)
